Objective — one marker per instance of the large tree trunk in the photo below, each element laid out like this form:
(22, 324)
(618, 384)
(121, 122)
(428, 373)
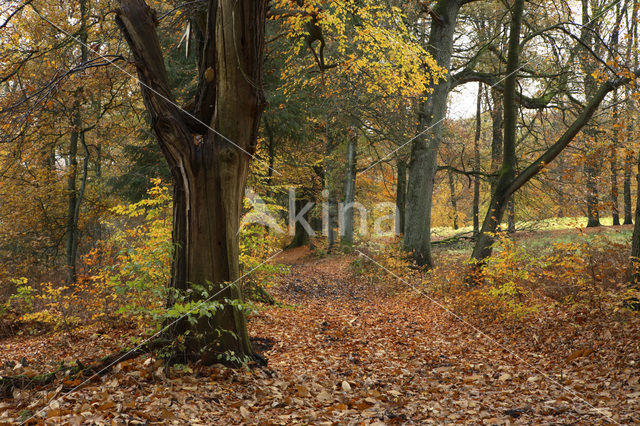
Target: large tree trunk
(208, 151)
(346, 230)
(424, 150)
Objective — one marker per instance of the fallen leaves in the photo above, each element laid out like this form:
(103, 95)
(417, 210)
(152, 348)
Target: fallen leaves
(346, 353)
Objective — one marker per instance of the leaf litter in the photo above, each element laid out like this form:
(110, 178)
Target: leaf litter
(344, 351)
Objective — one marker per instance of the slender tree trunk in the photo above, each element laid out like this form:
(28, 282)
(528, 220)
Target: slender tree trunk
(632, 54)
(497, 133)
(271, 150)
(401, 194)
(208, 151)
(77, 134)
(301, 236)
(591, 160)
(476, 163)
(591, 174)
(511, 219)
(346, 230)
(72, 200)
(452, 198)
(634, 272)
(98, 163)
(331, 214)
(501, 194)
(628, 159)
(614, 171)
(504, 190)
(424, 150)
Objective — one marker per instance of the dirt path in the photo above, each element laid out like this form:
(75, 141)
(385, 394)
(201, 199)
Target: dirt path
(406, 360)
(342, 350)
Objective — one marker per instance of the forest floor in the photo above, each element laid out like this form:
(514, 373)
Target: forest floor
(343, 350)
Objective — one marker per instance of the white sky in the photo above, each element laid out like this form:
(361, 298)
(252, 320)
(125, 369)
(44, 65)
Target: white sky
(462, 101)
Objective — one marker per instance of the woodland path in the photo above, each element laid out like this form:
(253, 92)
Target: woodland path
(344, 351)
(406, 359)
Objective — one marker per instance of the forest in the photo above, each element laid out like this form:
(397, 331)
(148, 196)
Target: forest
(323, 212)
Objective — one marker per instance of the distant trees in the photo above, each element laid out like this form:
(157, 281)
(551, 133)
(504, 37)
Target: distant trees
(509, 181)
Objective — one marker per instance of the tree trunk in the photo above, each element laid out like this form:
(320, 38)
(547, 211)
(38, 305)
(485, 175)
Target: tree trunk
(346, 230)
(628, 159)
(591, 174)
(591, 161)
(208, 151)
(330, 208)
(614, 171)
(476, 163)
(497, 130)
(424, 149)
(300, 235)
(401, 195)
(511, 219)
(501, 194)
(77, 134)
(452, 198)
(634, 271)
(72, 200)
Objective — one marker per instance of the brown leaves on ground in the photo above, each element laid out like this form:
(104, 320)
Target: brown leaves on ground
(343, 351)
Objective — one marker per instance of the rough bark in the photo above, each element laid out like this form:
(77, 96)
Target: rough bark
(424, 149)
(209, 166)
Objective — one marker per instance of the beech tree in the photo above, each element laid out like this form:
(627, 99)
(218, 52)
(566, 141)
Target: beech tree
(424, 149)
(208, 145)
(509, 181)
